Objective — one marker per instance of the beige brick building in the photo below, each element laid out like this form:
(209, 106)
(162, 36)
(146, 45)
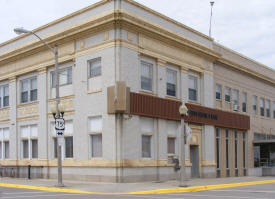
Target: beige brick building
(231, 100)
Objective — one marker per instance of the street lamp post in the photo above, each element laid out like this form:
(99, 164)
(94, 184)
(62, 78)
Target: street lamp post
(183, 112)
(55, 52)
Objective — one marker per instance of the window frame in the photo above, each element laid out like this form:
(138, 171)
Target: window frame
(244, 102)
(28, 90)
(151, 74)
(255, 104)
(91, 61)
(219, 92)
(196, 78)
(143, 145)
(174, 145)
(29, 140)
(69, 81)
(235, 101)
(267, 108)
(3, 95)
(226, 94)
(3, 143)
(174, 73)
(262, 107)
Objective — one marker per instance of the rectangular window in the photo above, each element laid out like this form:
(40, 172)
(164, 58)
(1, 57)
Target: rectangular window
(218, 150)
(4, 143)
(244, 101)
(29, 141)
(267, 108)
(235, 95)
(244, 153)
(6, 149)
(262, 106)
(274, 110)
(28, 90)
(146, 76)
(171, 145)
(218, 92)
(227, 94)
(227, 153)
(69, 147)
(96, 143)
(94, 67)
(236, 153)
(34, 148)
(255, 99)
(25, 144)
(171, 85)
(95, 127)
(193, 88)
(65, 77)
(4, 96)
(146, 146)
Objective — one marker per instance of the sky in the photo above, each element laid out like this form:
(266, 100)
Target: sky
(246, 26)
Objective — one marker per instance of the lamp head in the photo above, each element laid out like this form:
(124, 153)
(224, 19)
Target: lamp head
(212, 3)
(61, 107)
(53, 108)
(20, 31)
(183, 109)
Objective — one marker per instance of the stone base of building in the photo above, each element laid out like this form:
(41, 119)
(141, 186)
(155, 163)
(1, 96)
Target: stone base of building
(121, 175)
(208, 172)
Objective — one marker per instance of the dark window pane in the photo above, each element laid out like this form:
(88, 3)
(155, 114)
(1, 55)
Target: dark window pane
(96, 145)
(25, 148)
(146, 83)
(192, 94)
(69, 147)
(171, 145)
(7, 149)
(55, 147)
(262, 111)
(146, 146)
(218, 95)
(227, 98)
(5, 101)
(244, 107)
(24, 97)
(171, 89)
(34, 149)
(34, 95)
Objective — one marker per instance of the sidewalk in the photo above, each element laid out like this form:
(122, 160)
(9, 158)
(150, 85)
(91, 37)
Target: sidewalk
(129, 187)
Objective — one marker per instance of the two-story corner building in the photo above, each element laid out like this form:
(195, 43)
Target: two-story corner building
(163, 63)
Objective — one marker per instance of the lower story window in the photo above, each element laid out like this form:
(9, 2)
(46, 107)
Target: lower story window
(171, 145)
(96, 145)
(146, 146)
(69, 147)
(4, 150)
(30, 149)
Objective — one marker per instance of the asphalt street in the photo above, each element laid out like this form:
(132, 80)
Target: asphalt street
(265, 191)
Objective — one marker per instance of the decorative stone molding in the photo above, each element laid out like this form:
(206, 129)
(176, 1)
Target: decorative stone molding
(106, 36)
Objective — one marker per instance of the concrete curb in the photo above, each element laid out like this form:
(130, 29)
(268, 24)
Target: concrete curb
(156, 191)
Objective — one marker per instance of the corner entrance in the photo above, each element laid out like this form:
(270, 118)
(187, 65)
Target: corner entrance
(194, 159)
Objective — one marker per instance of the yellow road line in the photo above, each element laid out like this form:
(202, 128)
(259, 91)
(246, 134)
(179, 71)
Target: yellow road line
(157, 191)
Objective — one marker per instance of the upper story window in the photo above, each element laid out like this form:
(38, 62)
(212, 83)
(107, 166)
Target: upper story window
(262, 106)
(274, 110)
(244, 101)
(193, 88)
(28, 90)
(235, 95)
(146, 76)
(255, 99)
(171, 84)
(4, 96)
(267, 108)
(227, 94)
(218, 92)
(65, 77)
(94, 67)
